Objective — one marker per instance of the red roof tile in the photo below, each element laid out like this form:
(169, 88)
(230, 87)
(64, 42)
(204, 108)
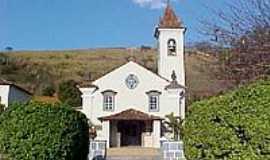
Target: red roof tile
(130, 114)
(169, 20)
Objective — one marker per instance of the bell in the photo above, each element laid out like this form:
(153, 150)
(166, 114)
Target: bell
(171, 45)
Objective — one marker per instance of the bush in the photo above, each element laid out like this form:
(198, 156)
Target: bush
(9, 69)
(69, 94)
(233, 126)
(2, 108)
(48, 91)
(3, 59)
(43, 131)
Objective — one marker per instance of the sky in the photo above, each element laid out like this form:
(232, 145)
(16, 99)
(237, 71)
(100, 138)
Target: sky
(81, 24)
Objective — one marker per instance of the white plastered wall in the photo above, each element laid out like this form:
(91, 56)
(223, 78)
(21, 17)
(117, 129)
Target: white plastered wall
(4, 92)
(128, 98)
(166, 63)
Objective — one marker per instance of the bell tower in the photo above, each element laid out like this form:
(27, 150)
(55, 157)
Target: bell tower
(170, 36)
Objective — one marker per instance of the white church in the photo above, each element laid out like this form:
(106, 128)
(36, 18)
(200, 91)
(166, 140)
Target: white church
(128, 105)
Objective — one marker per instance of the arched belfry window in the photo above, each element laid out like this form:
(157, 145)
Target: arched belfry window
(171, 47)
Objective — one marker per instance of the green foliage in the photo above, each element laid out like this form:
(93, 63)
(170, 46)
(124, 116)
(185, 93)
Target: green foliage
(3, 59)
(43, 131)
(2, 107)
(176, 125)
(233, 126)
(48, 91)
(68, 93)
(10, 68)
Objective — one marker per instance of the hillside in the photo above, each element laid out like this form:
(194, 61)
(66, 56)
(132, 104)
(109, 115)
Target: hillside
(231, 126)
(35, 70)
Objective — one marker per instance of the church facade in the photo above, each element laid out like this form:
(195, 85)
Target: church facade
(128, 105)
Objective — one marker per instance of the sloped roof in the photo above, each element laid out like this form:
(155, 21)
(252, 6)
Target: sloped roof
(130, 114)
(87, 85)
(169, 19)
(174, 85)
(5, 82)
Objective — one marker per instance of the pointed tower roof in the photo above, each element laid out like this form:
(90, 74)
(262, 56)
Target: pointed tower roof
(169, 19)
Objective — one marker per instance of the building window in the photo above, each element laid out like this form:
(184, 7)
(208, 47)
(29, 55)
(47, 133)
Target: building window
(171, 47)
(153, 103)
(108, 103)
(109, 100)
(153, 100)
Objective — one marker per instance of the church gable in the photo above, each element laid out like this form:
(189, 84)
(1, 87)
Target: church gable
(129, 72)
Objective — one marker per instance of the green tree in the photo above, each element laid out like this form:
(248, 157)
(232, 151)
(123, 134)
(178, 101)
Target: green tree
(9, 48)
(43, 131)
(68, 93)
(231, 126)
(243, 27)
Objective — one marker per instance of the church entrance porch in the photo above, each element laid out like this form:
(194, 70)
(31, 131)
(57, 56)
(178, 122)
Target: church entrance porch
(131, 128)
(130, 132)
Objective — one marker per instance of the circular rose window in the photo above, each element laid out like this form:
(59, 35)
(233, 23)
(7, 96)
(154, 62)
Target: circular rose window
(132, 81)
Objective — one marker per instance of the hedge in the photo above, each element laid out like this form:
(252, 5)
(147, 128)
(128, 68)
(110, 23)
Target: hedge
(43, 131)
(231, 126)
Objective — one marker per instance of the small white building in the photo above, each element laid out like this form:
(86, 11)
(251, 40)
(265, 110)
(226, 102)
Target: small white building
(128, 105)
(12, 93)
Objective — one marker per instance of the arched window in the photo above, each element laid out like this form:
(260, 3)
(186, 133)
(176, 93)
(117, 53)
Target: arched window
(153, 100)
(108, 100)
(171, 47)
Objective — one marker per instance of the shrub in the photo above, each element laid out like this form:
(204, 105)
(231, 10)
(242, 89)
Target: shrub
(68, 93)
(3, 59)
(2, 107)
(10, 68)
(43, 131)
(48, 91)
(232, 126)
(175, 123)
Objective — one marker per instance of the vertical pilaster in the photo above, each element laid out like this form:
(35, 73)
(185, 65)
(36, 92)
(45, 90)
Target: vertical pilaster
(106, 132)
(156, 133)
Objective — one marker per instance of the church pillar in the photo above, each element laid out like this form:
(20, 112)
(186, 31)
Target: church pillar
(106, 132)
(156, 133)
(182, 105)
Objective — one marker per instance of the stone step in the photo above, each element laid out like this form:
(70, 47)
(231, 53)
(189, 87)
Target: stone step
(133, 151)
(134, 158)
